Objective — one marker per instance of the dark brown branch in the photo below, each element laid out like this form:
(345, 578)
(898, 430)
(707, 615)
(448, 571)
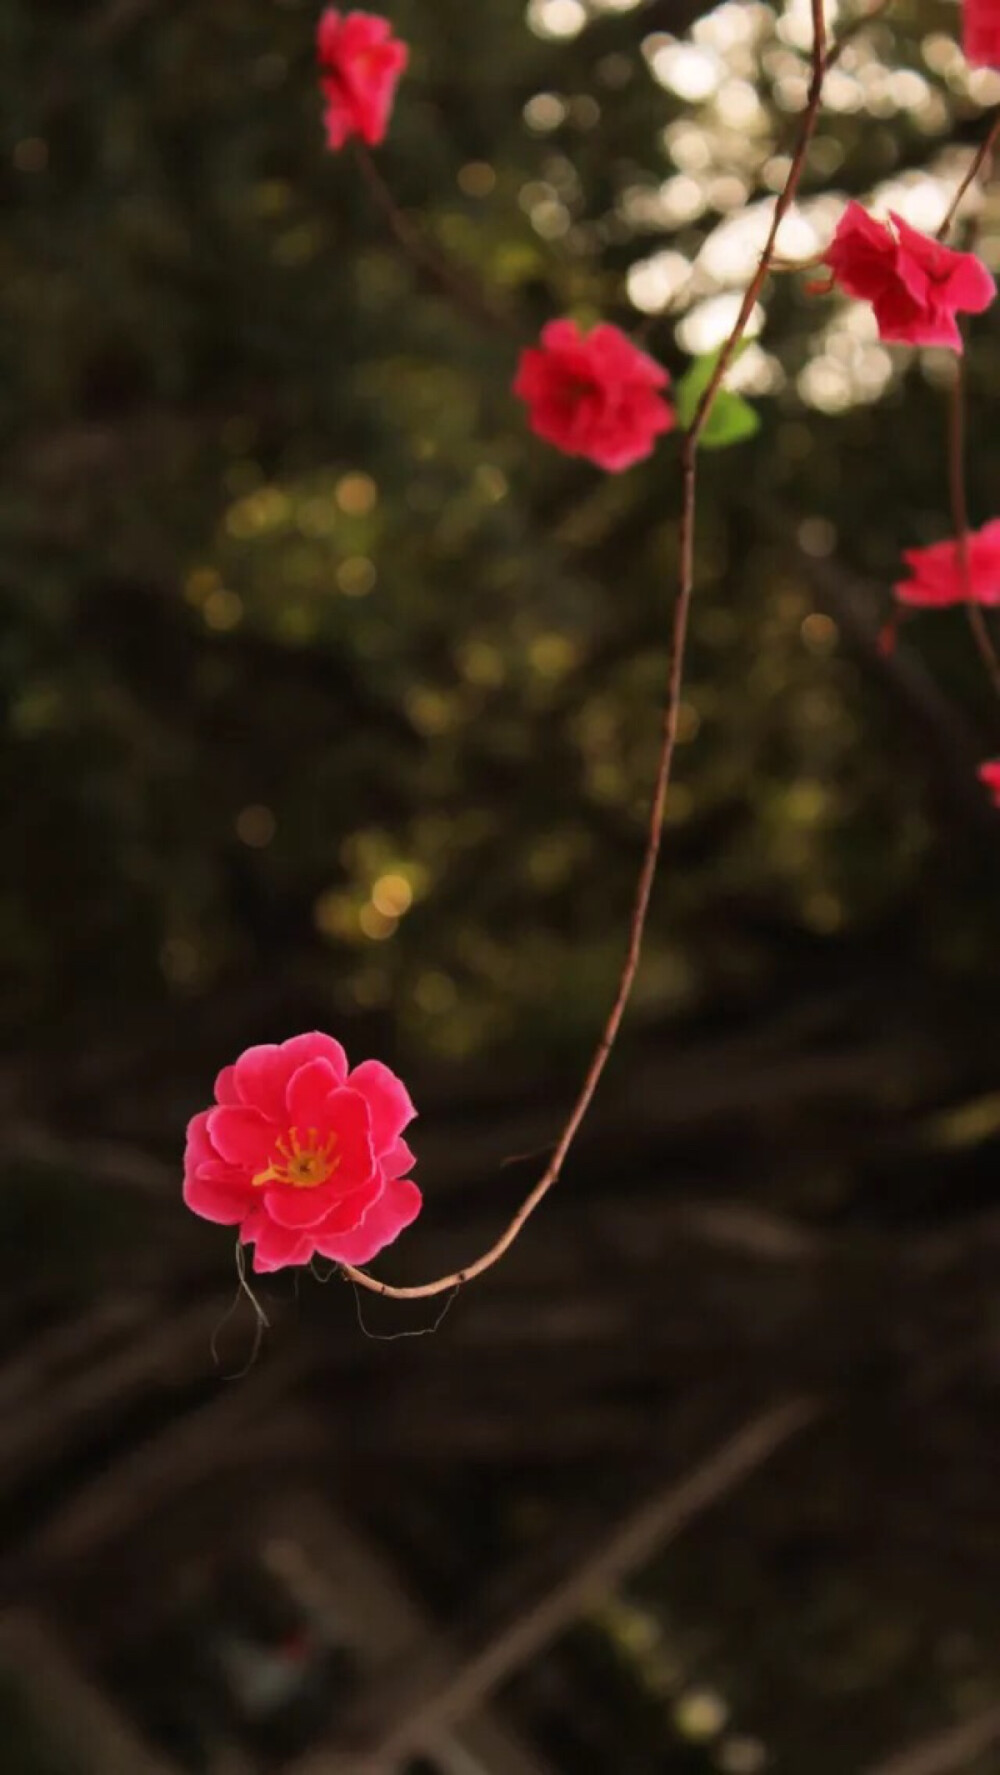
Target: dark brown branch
(978, 161)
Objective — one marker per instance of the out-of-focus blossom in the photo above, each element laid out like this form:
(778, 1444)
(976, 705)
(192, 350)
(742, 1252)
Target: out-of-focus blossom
(360, 62)
(594, 395)
(915, 285)
(938, 574)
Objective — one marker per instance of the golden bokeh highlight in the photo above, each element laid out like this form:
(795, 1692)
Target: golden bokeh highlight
(357, 576)
(256, 826)
(376, 924)
(356, 494)
(223, 610)
(392, 896)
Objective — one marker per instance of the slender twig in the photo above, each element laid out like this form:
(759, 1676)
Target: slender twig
(463, 290)
(956, 440)
(678, 647)
(979, 159)
(960, 518)
(854, 29)
(756, 284)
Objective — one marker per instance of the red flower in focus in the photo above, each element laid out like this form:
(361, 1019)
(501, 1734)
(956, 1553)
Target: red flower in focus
(360, 64)
(915, 285)
(981, 33)
(989, 776)
(304, 1156)
(595, 396)
(937, 576)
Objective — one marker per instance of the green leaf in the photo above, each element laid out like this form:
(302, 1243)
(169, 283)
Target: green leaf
(732, 418)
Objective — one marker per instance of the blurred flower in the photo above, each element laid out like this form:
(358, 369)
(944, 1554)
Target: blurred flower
(914, 284)
(595, 395)
(989, 776)
(939, 574)
(981, 33)
(360, 64)
(304, 1156)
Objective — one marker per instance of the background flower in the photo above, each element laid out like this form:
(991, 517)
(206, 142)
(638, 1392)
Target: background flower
(938, 577)
(915, 285)
(360, 65)
(596, 396)
(989, 776)
(981, 33)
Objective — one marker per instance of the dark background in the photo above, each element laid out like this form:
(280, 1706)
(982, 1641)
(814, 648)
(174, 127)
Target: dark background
(331, 699)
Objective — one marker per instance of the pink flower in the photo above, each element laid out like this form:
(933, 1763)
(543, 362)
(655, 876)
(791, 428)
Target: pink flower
(989, 776)
(937, 577)
(915, 285)
(981, 33)
(304, 1156)
(595, 396)
(360, 64)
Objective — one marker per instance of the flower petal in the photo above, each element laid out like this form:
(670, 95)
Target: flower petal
(595, 396)
(360, 65)
(329, 32)
(260, 1080)
(300, 1208)
(861, 254)
(225, 1086)
(956, 280)
(198, 1147)
(262, 1073)
(349, 1119)
(314, 1046)
(213, 1196)
(388, 1102)
(307, 1096)
(275, 1246)
(397, 1161)
(561, 336)
(989, 776)
(397, 1206)
(348, 1212)
(242, 1137)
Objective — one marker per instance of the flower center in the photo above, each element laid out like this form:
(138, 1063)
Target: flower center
(304, 1166)
(578, 387)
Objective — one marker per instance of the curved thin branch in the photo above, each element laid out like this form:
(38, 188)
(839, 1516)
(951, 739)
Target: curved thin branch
(950, 1753)
(956, 438)
(682, 611)
(978, 161)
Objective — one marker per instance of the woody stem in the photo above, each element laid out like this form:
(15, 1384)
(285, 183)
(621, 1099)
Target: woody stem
(675, 680)
(979, 160)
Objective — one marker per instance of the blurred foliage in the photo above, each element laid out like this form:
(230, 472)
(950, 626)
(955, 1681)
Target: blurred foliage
(26, 1750)
(315, 664)
(323, 678)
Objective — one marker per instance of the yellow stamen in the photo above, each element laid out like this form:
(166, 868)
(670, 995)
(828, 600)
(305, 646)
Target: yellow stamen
(304, 1167)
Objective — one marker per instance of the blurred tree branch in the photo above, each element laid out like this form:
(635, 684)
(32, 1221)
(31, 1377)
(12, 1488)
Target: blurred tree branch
(951, 1753)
